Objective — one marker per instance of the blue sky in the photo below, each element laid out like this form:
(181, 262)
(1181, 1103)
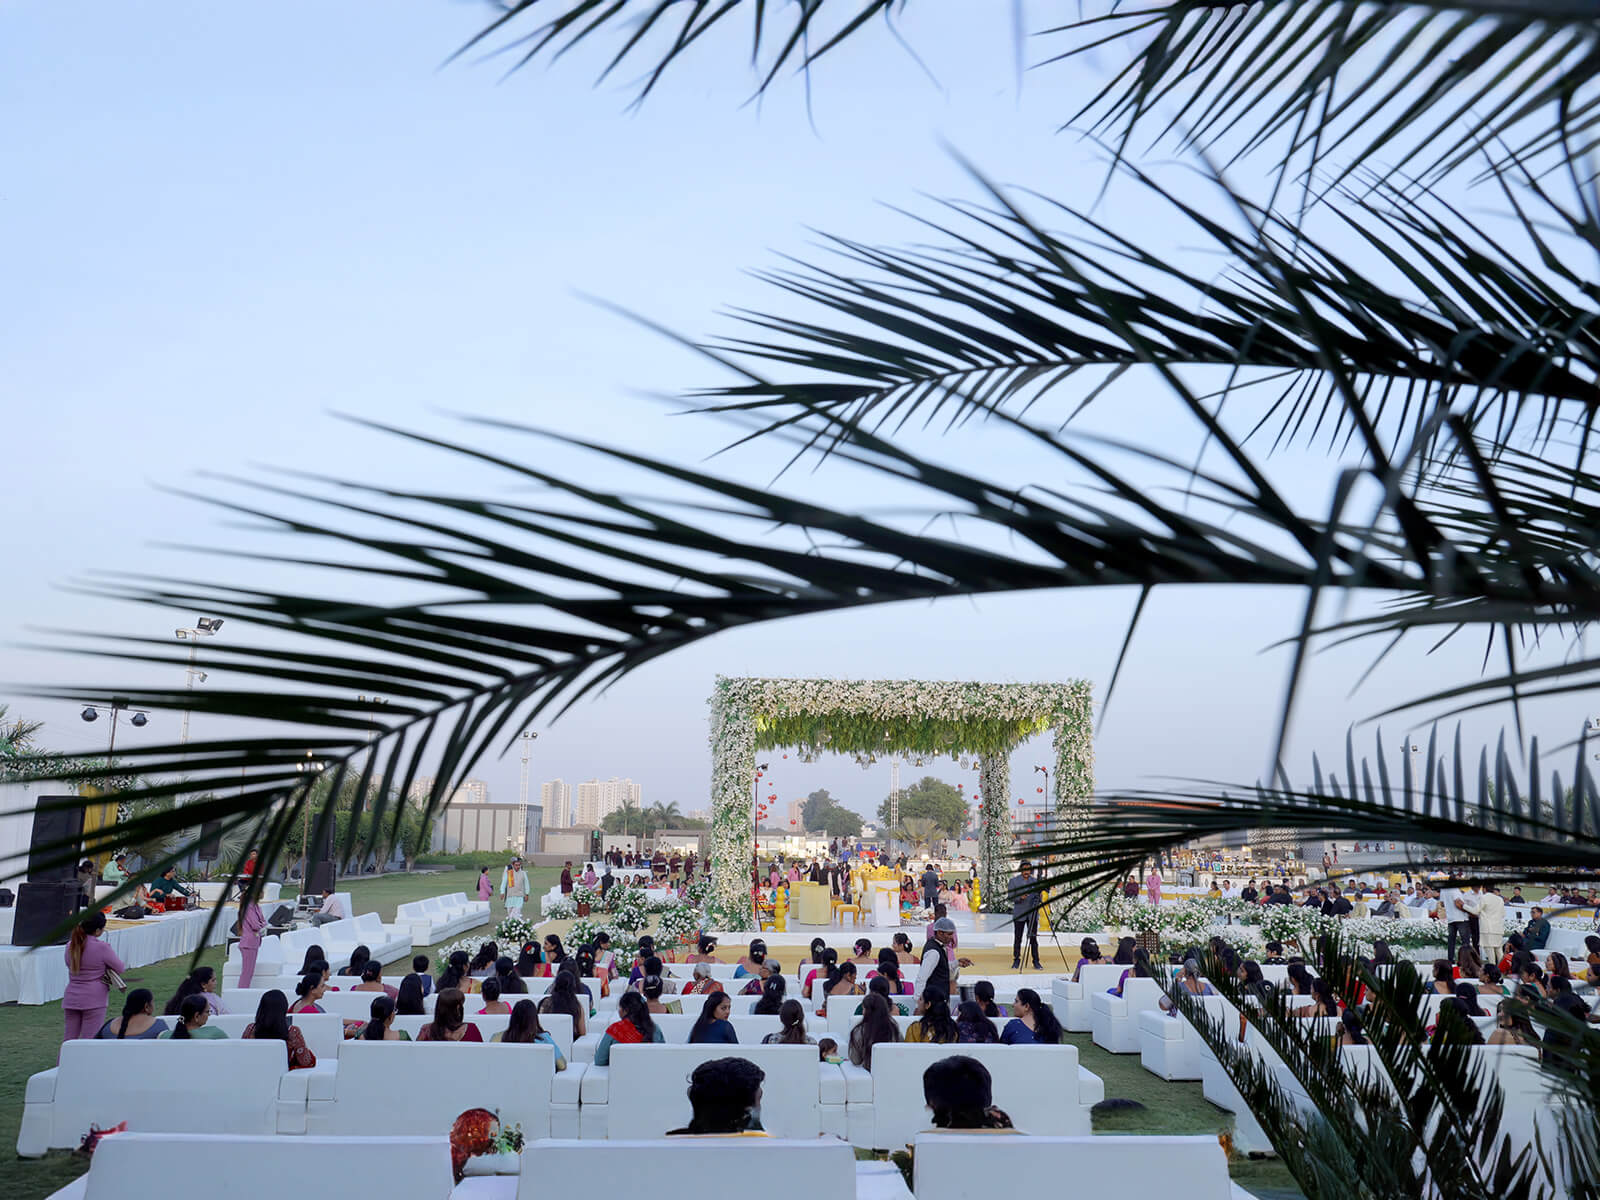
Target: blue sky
(221, 223)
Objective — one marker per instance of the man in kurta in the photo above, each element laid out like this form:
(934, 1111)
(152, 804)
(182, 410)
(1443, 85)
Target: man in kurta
(514, 887)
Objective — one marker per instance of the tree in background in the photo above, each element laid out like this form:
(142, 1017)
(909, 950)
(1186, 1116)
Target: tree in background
(821, 813)
(17, 736)
(933, 799)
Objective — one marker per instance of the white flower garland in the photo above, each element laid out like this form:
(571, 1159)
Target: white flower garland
(868, 718)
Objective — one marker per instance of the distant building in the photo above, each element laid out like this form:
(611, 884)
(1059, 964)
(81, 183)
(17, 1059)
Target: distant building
(471, 791)
(556, 796)
(795, 807)
(464, 828)
(597, 799)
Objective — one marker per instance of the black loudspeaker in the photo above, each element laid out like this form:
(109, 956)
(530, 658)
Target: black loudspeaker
(209, 848)
(41, 908)
(282, 917)
(323, 879)
(55, 825)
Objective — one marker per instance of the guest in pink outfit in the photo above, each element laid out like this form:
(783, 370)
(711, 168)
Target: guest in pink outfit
(250, 926)
(88, 957)
(485, 887)
(1152, 886)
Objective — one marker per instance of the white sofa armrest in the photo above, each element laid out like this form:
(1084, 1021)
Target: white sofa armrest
(567, 1086)
(857, 1083)
(595, 1087)
(41, 1087)
(1091, 1088)
(831, 1088)
(880, 1181)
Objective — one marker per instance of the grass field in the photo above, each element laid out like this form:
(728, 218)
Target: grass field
(31, 1034)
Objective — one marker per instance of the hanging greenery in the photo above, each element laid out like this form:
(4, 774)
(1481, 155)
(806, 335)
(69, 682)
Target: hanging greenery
(869, 719)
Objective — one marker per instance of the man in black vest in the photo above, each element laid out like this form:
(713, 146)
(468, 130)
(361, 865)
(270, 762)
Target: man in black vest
(1024, 916)
(938, 973)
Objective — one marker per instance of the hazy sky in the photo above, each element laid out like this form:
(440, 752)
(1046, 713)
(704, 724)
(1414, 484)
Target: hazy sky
(219, 223)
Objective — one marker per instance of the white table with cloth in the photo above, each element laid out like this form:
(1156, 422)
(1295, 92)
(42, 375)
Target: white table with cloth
(40, 976)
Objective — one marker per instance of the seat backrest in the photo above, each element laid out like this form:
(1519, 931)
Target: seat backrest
(352, 1006)
(1098, 977)
(256, 1168)
(798, 1169)
(1141, 994)
(152, 1085)
(488, 1024)
(648, 1093)
(1037, 1086)
(371, 923)
(322, 1031)
(953, 1166)
(422, 1087)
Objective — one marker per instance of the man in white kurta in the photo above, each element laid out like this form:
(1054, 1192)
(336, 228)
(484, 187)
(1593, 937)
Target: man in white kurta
(514, 887)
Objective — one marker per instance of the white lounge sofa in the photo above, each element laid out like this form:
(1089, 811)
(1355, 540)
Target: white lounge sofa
(1169, 1046)
(151, 1085)
(675, 1029)
(1042, 1088)
(955, 1166)
(418, 1088)
(1248, 1136)
(644, 1090)
(1114, 1020)
(786, 1169)
(439, 918)
(137, 1165)
(1071, 1001)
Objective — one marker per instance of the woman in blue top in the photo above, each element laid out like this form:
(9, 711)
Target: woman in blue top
(523, 1026)
(713, 1025)
(1031, 1021)
(632, 1027)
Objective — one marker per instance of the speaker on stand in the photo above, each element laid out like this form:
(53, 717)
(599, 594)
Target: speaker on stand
(50, 895)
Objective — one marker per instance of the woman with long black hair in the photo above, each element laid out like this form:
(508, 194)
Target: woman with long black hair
(633, 1026)
(193, 1013)
(935, 1024)
(960, 1091)
(713, 1024)
(563, 998)
(875, 1027)
(138, 1019)
(1032, 1021)
(381, 1027)
(272, 1024)
(792, 1019)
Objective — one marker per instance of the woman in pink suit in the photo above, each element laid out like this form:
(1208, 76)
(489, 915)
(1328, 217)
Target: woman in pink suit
(84, 1004)
(251, 923)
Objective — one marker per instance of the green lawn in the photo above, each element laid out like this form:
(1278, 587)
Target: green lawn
(31, 1034)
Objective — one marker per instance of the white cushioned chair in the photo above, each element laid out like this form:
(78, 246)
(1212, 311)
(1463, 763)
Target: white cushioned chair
(955, 1166)
(787, 1169)
(1114, 1020)
(420, 1088)
(1071, 1000)
(152, 1086)
(1042, 1088)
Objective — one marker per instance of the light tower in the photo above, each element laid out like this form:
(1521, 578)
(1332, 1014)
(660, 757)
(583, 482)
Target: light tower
(894, 793)
(204, 627)
(528, 738)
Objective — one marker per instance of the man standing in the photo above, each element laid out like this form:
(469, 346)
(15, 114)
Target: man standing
(937, 972)
(1458, 907)
(566, 879)
(1491, 923)
(514, 886)
(930, 886)
(1024, 916)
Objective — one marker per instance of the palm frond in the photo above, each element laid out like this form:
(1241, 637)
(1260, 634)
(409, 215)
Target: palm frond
(1427, 85)
(1405, 309)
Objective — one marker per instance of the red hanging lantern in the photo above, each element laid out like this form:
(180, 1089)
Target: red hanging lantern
(1039, 790)
(1020, 801)
(786, 756)
(791, 822)
(960, 787)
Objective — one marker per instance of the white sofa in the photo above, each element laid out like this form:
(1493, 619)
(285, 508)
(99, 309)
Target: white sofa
(437, 918)
(151, 1085)
(955, 1166)
(1248, 1136)
(1071, 1000)
(323, 1032)
(1169, 1046)
(137, 1165)
(1042, 1088)
(1114, 1020)
(780, 1169)
(675, 1028)
(644, 1090)
(420, 1088)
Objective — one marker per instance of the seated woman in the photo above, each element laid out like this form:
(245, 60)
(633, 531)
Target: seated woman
(651, 988)
(202, 981)
(563, 998)
(704, 983)
(960, 1092)
(957, 899)
(1512, 1027)
(1141, 969)
(934, 1022)
(772, 967)
(605, 961)
(706, 951)
(528, 961)
(972, 1026)
(1088, 955)
(898, 1005)
(482, 963)
(359, 958)
(381, 1027)
(1444, 977)
(1351, 1031)
(492, 1004)
(750, 963)
(983, 993)
(1190, 981)
(903, 949)
(310, 989)
(138, 1020)
(583, 962)
(772, 997)
(632, 1027)
(524, 1026)
(875, 1027)
(713, 1024)
(843, 982)
(1032, 1021)
(792, 1019)
(372, 980)
(554, 956)
(449, 1020)
(864, 953)
(511, 984)
(193, 1014)
(725, 1096)
(826, 961)
(408, 1000)
(272, 1024)
(1124, 955)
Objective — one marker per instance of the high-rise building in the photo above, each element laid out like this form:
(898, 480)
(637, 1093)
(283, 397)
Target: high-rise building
(556, 797)
(795, 807)
(471, 791)
(597, 799)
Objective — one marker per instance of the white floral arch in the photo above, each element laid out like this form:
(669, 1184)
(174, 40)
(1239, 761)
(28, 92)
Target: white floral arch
(887, 717)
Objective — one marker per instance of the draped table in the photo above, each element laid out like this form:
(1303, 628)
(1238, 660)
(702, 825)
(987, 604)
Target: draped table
(40, 976)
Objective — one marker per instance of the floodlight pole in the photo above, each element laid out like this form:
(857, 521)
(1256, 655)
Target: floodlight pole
(204, 627)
